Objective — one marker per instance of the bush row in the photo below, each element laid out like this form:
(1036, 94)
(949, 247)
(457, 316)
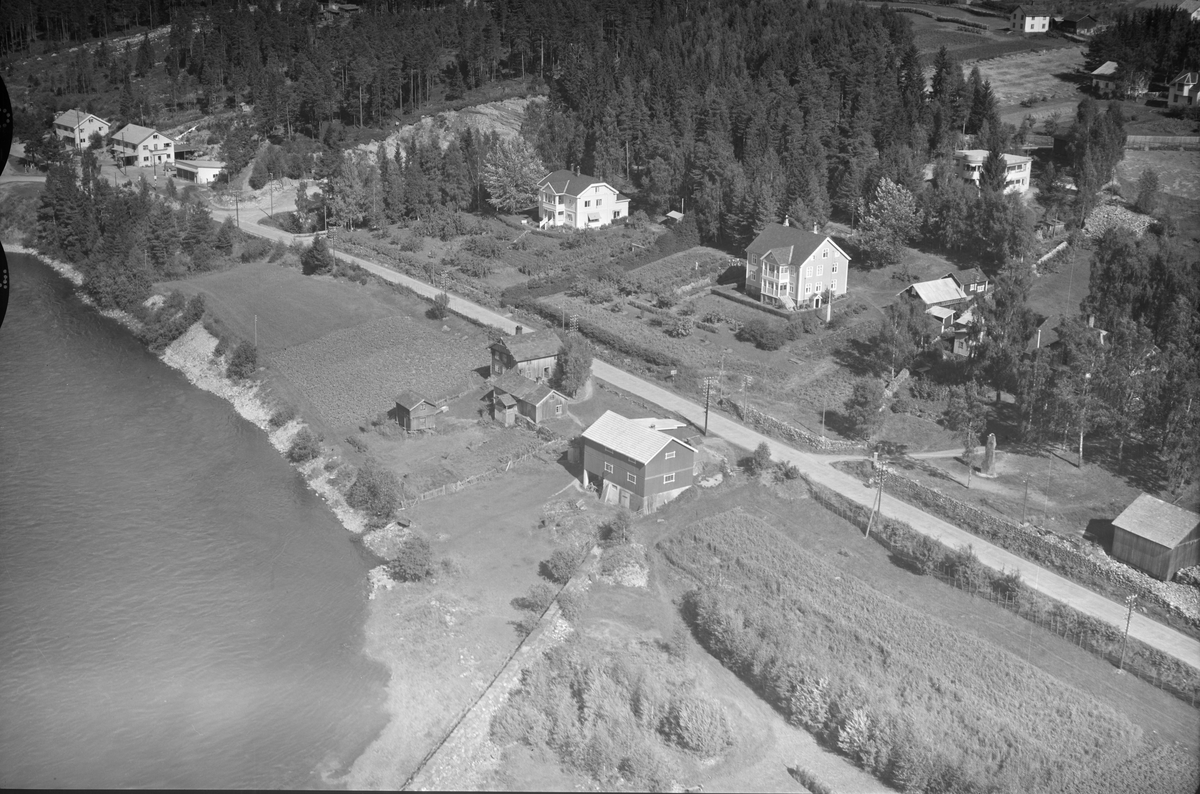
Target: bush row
(602, 336)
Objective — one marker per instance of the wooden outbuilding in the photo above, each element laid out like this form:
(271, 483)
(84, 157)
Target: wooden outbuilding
(1156, 537)
(414, 412)
(514, 394)
(634, 466)
(534, 355)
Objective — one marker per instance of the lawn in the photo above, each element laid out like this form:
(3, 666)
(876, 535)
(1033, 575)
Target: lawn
(976, 708)
(1178, 172)
(352, 374)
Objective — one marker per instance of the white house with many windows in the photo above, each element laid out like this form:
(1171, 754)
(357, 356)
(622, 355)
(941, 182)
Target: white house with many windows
(1018, 168)
(579, 201)
(142, 146)
(76, 126)
(1024, 19)
(791, 268)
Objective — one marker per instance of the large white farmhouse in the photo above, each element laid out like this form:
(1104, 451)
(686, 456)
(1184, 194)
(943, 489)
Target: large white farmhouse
(579, 201)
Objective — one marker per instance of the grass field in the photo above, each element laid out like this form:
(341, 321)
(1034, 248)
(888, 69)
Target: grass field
(984, 710)
(354, 373)
(1049, 76)
(1178, 172)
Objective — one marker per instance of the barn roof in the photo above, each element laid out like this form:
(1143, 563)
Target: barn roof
(965, 277)
(1105, 69)
(790, 245)
(1157, 521)
(628, 438)
(524, 389)
(409, 400)
(527, 347)
(939, 290)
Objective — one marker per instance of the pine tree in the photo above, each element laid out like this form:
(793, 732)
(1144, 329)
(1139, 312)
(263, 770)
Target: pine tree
(994, 173)
(145, 56)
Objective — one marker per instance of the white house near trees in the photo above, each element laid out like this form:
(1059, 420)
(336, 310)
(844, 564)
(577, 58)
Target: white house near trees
(579, 201)
(76, 126)
(142, 146)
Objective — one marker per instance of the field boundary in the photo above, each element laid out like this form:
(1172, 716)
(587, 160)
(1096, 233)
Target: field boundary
(455, 487)
(1146, 141)
(786, 432)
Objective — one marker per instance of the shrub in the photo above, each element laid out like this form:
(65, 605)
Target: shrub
(414, 560)
(375, 491)
(538, 598)
(572, 603)
(440, 308)
(243, 362)
(620, 527)
(278, 251)
(356, 443)
(665, 300)
(305, 446)
(697, 724)
(282, 416)
(760, 461)
(255, 249)
(222, 346)
(486, 247)
(763, 334)
(561, 565)
(682, 327)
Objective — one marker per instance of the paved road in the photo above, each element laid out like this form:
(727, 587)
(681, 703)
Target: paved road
(817, 469)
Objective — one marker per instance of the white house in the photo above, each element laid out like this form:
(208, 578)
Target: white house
(1018, 168)
(789, 267)
(142, 146)
(202, 172)
(1024, 19)
(1183, 90)
(1104, 78)
(579, 201)
(76, 126)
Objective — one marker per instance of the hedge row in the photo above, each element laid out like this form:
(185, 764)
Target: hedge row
(602, 336)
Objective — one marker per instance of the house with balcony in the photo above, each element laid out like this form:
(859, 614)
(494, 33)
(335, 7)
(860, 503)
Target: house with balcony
(579, 201)
(142, 146)
(791, 268)
(77, 127)
(1183, 90)
(1018, 168)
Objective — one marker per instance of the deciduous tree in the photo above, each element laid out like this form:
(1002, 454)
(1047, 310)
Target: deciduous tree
(511, 175)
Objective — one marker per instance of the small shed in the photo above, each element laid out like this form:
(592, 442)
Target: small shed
(534, 355)
(1156, 537)
(414, 412)
(514, 394)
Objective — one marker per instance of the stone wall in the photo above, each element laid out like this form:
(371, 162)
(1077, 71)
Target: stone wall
(790, 433)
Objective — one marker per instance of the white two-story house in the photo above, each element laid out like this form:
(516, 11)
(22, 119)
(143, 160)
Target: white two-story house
(1018, 168)
(791, 268)
(142, 146)
(77, 127)
(579, 201)
(1024, 19)
(1184, 90)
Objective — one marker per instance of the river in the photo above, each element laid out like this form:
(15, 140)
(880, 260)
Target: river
(177, 608)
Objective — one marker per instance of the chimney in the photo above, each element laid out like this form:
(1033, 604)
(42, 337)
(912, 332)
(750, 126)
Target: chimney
(787, 221)
(1091, 321)
(816, 229)
(519, 330)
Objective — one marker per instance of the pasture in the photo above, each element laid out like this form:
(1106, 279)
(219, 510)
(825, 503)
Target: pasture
(974, 707)
(1178, 172)
(352, 374)
(1050, 76)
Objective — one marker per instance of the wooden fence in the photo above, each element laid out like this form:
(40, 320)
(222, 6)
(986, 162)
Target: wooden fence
(1134, 141)
(455, 487)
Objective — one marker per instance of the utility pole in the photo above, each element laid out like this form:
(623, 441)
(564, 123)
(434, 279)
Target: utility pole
(237, 215)
(1025, 501)
(708, 384)
(256, 332)
(878, 503)
(824, 397)
(746, 381)
(1130, 601)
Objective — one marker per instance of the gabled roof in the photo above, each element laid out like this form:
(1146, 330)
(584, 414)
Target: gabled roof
(1105, 69)
(1187, 78)
(788, 245)
(569, 183)
(188, 164)
(135, 134)
(1077, 18)
(1030, 11)
(73, 118)
(408, 400)
(524, 389)
(527, 347)
(1157, 521)
(940, 290)
(1046, 333)
(966, 318)
(940, 312)
(965, 277)
(661, 425)
(628, 438)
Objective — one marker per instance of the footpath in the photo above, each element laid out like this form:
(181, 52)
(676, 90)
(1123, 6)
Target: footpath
(816, 468)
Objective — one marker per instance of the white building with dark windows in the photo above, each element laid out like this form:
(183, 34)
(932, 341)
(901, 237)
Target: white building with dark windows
(142, 146)
(791, 268)
(579, 201)
(1025, 19)
(1018, 168)
(77, 127)
(202, 172)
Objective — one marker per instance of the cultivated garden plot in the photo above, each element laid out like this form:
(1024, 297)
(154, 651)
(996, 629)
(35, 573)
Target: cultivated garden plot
(902, 683)
(675, 272)
(355, 373)
(1020, 76)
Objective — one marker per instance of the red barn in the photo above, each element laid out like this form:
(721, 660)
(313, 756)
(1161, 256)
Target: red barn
(634, 466)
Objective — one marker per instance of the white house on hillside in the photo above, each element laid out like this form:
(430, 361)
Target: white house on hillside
(1104, 78)
(1183, 90)
(76, 126)
(142, 146)
(1024, 19)
(789, 267)
(969, 164)
(579, 201)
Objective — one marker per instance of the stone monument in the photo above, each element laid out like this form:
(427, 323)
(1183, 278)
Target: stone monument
(989, 457)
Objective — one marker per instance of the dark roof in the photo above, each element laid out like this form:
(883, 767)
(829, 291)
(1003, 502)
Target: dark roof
(527, 347)
(506, 399)
(965, 277)
(1077, 18)
(788, 244)
(569, 182)
(1157, 521)
(409, 400)
(1048, 329)
(524, 389)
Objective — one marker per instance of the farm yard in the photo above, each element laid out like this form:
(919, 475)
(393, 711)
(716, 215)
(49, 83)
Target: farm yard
(963, 39)
(353, 374)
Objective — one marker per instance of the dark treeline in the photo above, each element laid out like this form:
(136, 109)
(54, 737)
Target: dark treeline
(1158, 43)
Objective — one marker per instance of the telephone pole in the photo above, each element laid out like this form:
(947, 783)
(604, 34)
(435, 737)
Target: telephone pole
(708, 384)
(878, 503)
(1130, 601)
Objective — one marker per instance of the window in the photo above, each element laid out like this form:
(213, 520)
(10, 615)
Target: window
(631, 478)
(833, 285)
(560, 212)
(570, 217)
(818, 288)
(608, 468)
(807, 289)
(834, 268)
(558, 410)
(599, 202)
(669, 455)
(616, 214)
(820, 269)
(560, 199)
(824, 253)
(808, 272)
(545, 372)
(667, 478)
(587, 203)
